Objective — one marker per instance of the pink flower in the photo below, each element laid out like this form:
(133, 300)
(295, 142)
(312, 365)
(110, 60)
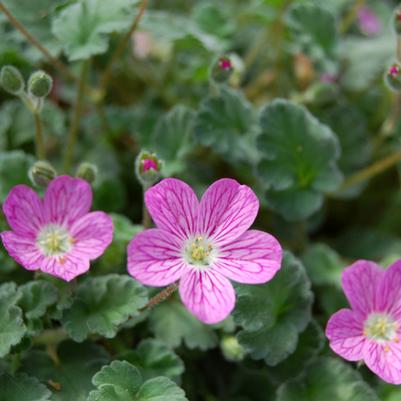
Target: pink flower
(368, 21)
(149, 164)
(371, 330)
(204, 245)
(57, 234)
(225, 63)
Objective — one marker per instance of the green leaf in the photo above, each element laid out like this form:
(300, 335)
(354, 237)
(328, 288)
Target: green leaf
(227, 123)
(36, 297)
(121, 381)
(323, 264)
(71, 376)
(172, 138)
(298, 159)
(272, 315)
(82, 27)
(22, 388)
(12, 328)
(327, 379)
(313, 30)
(101, 304)
(153, 358)
(14, 168)
(173, 324)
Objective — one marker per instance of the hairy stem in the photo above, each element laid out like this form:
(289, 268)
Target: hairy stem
(146, 219)
(105, 78)
(39, 143)
(76, 118)
(349, 18)
(161, 296)
(50, 336)
(52, 60)
(372, 170)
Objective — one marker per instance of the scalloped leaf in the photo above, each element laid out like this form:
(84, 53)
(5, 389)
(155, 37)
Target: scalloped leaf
(121, 381)
(298, 159)
(327, 379)
(83, 27)
(22, 388)
(174, 325)
(70, 377)
(227, 123)
(154, 358)
(273, 314)
(101, 304)
(12, 327)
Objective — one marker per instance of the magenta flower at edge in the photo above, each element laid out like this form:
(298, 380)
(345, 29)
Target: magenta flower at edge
(371, 330)
(57, 234)
(204, 245)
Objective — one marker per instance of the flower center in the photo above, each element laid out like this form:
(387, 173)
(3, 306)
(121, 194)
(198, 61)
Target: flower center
(380, 327)
(54, 240)
(199, 251)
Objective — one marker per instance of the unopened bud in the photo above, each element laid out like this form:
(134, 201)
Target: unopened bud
(232, 349)
(41, 173)
(393, 77)
(11, 80)
(40, 84)
(397, 21)
(87, 171)
(222, 70)
(147, 168)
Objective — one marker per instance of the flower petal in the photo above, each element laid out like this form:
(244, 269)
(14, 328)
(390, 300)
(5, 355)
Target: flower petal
(226, 211)
(67, 267)
(389, 294)
(92, 234)
(384, 360)
(345, 333)
(22, 249)
(360, 283)
(24, 211)
(253, 258)
(173, 206)
(67, 199)
(207, 294)
(154, 258)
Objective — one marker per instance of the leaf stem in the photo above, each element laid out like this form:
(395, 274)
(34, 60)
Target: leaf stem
(161, 296)
(53, 60)
(76, 118)
(50, 336)
(146, 219)
(40, 145)
(349, 18)
(372, 170)
(105, 77)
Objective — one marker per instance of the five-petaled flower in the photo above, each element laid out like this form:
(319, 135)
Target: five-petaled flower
(371, 330)
(57, 234)
(203, 245)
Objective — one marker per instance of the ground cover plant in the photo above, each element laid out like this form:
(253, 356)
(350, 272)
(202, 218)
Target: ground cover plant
(200, 200)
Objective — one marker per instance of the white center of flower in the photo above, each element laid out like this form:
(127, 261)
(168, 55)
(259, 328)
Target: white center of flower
(199, 251)
(380, 327)
(54, 240)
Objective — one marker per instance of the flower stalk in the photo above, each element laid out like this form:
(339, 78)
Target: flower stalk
(39, 142)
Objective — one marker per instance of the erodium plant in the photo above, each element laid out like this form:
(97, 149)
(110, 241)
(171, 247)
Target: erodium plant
(200, 200)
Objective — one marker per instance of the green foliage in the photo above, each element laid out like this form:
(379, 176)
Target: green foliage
(121, 381)
(22, 388)
(327, 379)
(153, 358)
(174, 325)
(272, 315)
(298, 161)
(101, 304)
(82, 27)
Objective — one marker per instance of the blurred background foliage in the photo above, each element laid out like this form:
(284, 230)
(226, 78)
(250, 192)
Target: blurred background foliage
(302, 112)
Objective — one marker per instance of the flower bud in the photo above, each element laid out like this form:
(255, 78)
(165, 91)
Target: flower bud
(40, 84)
(11, 80)
(87, 171)
(232, 349)
(147, 168)
(41, 173)
(393, 77)
(222, 70)
(397, 21)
